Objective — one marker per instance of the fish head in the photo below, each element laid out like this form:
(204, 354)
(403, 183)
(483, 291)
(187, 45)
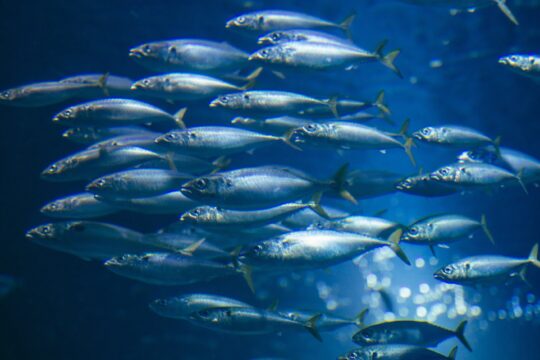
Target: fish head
(148, 50)
(148, 84)
(427, 134)
(67, 115)
(131, 261)
(274, 38)
(60, 168)
(80, 135)
(271, 54)
(175, 138)
(172, 306)
(230, 101)
(453, 273)
(57, 206)
(8, 95)
(520, 62)
(202, 188)
(361, 354)
(310, 131)
(201, 214)
(212, 315)
(45, 232)
(104, 184)
(418, 232)
(250, 22)
(247, 122)
(256, 254)
(444, 174)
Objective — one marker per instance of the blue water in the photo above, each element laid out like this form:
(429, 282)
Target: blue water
(66, 308)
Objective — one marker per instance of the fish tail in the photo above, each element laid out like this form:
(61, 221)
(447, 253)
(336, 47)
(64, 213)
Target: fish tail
(252, 78)
(453, 353)
(311, 326)
(339, 180)
(506, 11)
(533, 256)
(221, 163)
(315, 205)
(404, 128)
(484, 224)
(394, 240)
(360, 317)
(460, 334)
(179, 118)
(190, 249)
(409, 143)
(245, 270)
(497, 144)
(102, 83)
(170, 161)
(519, 178)
(388, 59)
(332, 104)
(380, 105)
(345, 25)
(287, 140)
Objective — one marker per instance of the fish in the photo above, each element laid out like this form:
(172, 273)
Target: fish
(144, 140)
(44, 93)
(304, 218)
(261, 187)
(527, 65)
(365, 225)
(516, 161)
(323, 56)
(349, 136)
(454, 136)
(475, 175)
(171, 203)
(91, 135)
(212, 141)
(78, 206)
(485, 269)
(443, 229)
(111, 85)
(215, 217)
(90, 164)
(260, 102)
(188, 86)
(186, 244)
(325, 322)
(424, 185)
(167, 269)
(138, 183)
(116, 112)
(371, 183)
(351, 109)
(270, 20)
(397, 352)
(181, 307)
(311, 249)
(409, 332)
(249, 321)
(284, 36)
(185, 163)
(468, 5)
(89, 240)
(192, 55)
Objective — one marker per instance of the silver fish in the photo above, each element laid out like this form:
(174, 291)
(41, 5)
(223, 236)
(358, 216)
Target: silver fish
(137, 183)
(482, 269)
(168, 269)
(371, 183)
(89, 164)
(396, 352)
(409, 332)
(270, 20)
(325, 322)
(111, 85)
(78, 206)
(365, 225)
(197, 55)
(261, 187)
(323, 56)
(186, 86)
(144, 140)
(89, 239)
(284, 36)
(181, 307)
(424, 185)
(90, 135)
(115, 112)
(186, 244)
(304, 218)
(454, 136)
(172, 203)
(185, 163)
(528, 65)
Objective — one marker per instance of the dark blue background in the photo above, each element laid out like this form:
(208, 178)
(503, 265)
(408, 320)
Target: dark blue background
(66, 308)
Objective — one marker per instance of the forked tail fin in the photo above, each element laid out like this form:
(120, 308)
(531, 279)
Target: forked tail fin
(340, 182)
(311, 326)
(394, 240)
(506, 11)
(484, 224)
(460, 334)
(345, 25)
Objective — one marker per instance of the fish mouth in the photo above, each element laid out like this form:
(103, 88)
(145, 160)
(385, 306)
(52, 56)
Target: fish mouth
(56, 118)
(113, 262)
(186, 191)
(31, 235)
(187, 217)
(135, 87)
(435, 177)
(504, 61)
(135, 53)
(229, 24)
(215, 103)
(438, 276)
(254, 56)
(417, 135)
(263, 40)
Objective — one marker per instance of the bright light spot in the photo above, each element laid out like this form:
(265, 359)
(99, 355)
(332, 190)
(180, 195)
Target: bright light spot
(332, 305)
(436, 63)
(420, 263)
(421, 311)
(389, 316)
(405, 292)
(476, 311)
(424, 288)
(371, 280)
(502, 314)
(461, 310)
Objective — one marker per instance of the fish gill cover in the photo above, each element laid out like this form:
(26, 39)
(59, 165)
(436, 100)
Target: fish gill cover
(270, 180)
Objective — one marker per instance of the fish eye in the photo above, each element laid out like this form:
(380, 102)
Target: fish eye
(264, 52)
(531, 60)
(257, 248)
(513, 58)
(246, 97)
(146, 257)
(52, 168)
(228, 313)
(147, 49)
(76, 227)
(46, 229)
(310, 127)
(171, 136)
(275, 36)
(447, 270)
(5, 94)
(101, 182)
(172, 49)
(146, 82)
(467, 266)
(224, 99)
(53, 206)
(426, 131)
(240, 19)
(413, 231)
(200, 184)
(374, 355)
(196, 212)
(444, 171)
(192, 135)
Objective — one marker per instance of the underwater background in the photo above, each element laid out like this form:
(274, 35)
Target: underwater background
(66, 308)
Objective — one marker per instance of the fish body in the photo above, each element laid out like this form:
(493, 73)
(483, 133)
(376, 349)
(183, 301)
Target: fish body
(474, 175)
(178, 242)
(184, 163)
(424, 185)
(42, 94)
(171, 203)
(396, 352)
(275, 126)
(144, 140)
(453, 136)
(284, 36)
(483, 269)
(304, 218)
(92, 163)
(254, 188)
(325, 322)
(193, 55)
(91, 135)
(112, 112)
(88, 239)
(528, 65)
(137, 183)
(311, 249)
(111, 85)
(212, 141)
(167, 268)
(78, 206)
(181, 307)
(408, 332)
(366, 225)
(371, 183)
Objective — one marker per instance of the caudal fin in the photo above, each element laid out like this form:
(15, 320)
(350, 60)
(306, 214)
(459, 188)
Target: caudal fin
(332, 103)
(460, 334)
(380, 105)
(340, 182)
(315, 205)
(394, 240)
(533, 256)
(345, 25)
(453, 353)
(359, 318)
(519, 178)
(287, 140)
(506, 11)
(102, 83)
(484, 224)
(388, 59)
(221, 163)
(189, 250)
(407, 146)
(179, 118)
(252, 79)
(311, 326)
